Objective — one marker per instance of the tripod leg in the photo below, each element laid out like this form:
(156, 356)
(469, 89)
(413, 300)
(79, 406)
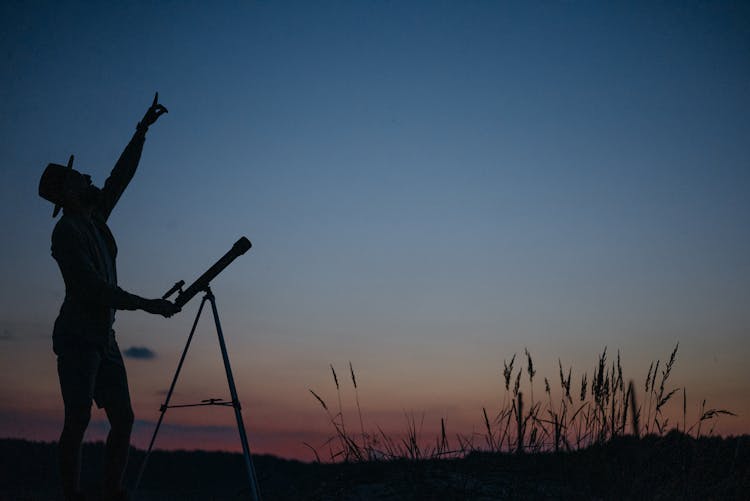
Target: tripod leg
(254, 490)
(165, 405)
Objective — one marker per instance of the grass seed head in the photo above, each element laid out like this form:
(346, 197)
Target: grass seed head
(351, 371)
(508, 371)
(319, 399)
(335, 378)
(530, 365)
(584, 382)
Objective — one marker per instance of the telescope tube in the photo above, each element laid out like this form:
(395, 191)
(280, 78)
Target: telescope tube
(239, 248)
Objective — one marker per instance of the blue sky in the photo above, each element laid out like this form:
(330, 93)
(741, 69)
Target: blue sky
(427, 185)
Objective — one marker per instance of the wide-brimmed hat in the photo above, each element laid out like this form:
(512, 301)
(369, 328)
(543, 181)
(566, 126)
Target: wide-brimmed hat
(52, 184)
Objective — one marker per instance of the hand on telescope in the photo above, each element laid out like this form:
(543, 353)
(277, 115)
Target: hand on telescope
(160, 307)
(152, 114)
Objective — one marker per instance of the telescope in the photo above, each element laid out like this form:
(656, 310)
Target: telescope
(201, 284)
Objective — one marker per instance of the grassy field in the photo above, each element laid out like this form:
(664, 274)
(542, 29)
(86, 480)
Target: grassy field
(673, 466)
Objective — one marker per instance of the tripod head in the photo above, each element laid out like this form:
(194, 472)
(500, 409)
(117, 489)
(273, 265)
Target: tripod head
(201, 284)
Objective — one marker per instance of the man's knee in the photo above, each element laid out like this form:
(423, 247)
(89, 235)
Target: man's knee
(77, 419)
(120, 418)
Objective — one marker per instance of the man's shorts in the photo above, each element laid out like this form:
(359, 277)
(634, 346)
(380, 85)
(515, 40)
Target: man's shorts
(89, 373)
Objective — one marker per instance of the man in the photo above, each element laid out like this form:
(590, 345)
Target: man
(89, 363)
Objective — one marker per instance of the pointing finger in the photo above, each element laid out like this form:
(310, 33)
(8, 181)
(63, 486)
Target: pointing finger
(156, 99)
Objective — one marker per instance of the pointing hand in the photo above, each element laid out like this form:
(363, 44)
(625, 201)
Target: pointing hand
(153, 113)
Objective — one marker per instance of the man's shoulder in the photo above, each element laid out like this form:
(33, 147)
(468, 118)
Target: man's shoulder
(68, 222)
(69, 225)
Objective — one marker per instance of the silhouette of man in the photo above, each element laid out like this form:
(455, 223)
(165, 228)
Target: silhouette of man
(89, 364)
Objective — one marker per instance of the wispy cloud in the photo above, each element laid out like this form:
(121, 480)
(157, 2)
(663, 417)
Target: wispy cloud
(140, 352)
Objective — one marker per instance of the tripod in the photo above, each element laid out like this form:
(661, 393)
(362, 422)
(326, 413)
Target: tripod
(235, 403)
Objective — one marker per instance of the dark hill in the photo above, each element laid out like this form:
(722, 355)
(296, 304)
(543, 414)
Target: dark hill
(669, 467)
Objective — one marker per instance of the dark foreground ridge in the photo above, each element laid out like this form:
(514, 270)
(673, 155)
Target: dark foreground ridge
(668, 467)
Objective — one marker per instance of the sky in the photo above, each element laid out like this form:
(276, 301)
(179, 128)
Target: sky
(430, 187)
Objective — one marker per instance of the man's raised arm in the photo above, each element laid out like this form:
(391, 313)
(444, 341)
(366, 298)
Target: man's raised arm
(127, 164)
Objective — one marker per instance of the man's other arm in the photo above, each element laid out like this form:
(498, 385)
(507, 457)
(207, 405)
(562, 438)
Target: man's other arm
(84, 283)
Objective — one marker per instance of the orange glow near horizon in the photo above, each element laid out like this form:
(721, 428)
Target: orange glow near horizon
(280, 419)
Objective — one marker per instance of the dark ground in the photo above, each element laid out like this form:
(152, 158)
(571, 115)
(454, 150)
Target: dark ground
(670, 467)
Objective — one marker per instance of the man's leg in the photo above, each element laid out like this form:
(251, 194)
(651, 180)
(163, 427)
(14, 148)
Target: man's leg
(112, 393)
(118, 445)
(76, 368)
(69, 449)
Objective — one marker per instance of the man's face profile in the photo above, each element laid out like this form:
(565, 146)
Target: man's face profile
(79, 191)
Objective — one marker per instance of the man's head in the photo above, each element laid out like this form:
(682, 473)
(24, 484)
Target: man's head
(66, 187)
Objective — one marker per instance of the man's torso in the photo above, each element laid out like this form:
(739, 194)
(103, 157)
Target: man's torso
(80, 320)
